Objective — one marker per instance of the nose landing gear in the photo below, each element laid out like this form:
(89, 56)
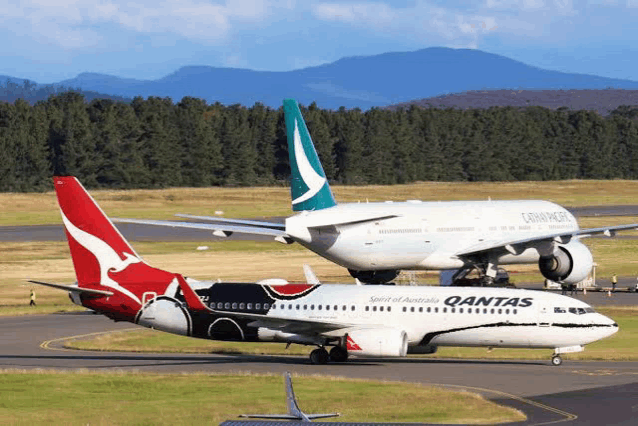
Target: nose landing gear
(557, 360)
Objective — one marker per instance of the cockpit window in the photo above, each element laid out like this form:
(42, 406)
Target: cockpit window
(559, 310)
(577, 311)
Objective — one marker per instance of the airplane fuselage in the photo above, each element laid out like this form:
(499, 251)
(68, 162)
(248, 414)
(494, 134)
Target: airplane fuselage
(426, 316)
(424, 235)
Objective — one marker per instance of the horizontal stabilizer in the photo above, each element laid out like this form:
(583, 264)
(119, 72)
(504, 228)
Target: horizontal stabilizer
(74, 288)
(263, 224)
(225, 229)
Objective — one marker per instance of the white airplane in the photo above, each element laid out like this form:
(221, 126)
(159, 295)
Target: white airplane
(377, 240)
(366, 321)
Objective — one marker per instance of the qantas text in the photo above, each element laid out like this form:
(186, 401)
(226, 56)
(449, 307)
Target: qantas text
(489, 301)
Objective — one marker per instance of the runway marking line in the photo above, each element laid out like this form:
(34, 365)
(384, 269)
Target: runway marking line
(47, 343)
(568, 416)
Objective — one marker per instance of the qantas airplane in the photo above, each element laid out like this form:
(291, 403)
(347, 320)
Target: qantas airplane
(367, 321)
(377, 240)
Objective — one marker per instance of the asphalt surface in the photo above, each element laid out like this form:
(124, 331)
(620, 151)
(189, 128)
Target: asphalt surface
(575, 393)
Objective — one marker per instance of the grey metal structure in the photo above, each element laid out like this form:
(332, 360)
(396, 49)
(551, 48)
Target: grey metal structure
(294, 412)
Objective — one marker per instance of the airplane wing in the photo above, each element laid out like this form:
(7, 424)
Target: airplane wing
(519, 246)
(74, 288)
(218, 230)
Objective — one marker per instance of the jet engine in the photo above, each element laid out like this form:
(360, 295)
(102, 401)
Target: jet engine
(377, 342)
(570, 263)
(374, 277)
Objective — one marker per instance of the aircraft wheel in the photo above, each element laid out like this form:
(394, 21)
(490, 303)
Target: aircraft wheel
(338, 354)
(557, 360)
(319, 356)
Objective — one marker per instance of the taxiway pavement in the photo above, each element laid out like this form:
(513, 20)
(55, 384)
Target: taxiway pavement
(593, 393)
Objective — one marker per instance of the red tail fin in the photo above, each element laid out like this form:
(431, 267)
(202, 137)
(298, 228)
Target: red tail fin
(101, 255)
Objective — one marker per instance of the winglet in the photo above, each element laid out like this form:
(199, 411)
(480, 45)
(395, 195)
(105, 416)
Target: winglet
(193, 301)
(291, 401)
(308, 184)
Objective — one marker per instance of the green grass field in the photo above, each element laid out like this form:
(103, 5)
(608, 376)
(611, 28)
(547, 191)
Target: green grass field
(31, 209)
(44, 398)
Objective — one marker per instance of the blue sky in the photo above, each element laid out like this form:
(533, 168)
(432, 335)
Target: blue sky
(51, 40)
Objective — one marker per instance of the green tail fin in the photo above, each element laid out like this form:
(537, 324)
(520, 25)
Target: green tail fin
(308, 184)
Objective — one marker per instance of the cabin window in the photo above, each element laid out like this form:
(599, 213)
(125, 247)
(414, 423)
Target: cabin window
(319, 307)
(500, 311)
(381, 308)
(343, 308)
(460, 310)
(227, 305)
(374, 308)
(352, 308)
(444, 310)
(492, 311)
(411, 308)
(242, 306)
(290, 306)
(312, 307)
(405, 309)
(436, 310)
(266, 306)
(305, 307)
(249, 306)
(367, 308)
(220, 305)
(337, 308)
(484, 310)
(234, 306)
(389, 308)
(258, 306)
(297, 307)
(507, 311)
(327, 307)
(453, 310)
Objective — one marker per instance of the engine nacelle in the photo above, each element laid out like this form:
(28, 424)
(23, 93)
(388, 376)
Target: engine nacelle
(570, 263)
(374, 277)
(375, 342)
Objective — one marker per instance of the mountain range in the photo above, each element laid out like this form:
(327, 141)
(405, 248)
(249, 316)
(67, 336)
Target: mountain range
(354, 82)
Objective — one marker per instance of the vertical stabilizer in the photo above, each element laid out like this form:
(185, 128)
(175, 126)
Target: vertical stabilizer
(101, 255)
(308, 184)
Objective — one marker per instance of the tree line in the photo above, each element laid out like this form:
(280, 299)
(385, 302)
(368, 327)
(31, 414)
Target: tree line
(154, 143)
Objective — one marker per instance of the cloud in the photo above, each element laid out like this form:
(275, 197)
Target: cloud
(76, 23)
(424, 21)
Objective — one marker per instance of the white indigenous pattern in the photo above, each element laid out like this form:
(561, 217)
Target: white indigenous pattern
(311, 178)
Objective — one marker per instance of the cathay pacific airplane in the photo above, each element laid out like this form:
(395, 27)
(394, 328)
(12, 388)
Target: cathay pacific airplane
(377, 240)
(366, 321)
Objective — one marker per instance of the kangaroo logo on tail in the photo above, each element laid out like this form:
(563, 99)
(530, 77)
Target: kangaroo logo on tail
(308, 184)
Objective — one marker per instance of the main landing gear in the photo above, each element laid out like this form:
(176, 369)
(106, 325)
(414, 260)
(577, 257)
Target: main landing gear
(321, 356)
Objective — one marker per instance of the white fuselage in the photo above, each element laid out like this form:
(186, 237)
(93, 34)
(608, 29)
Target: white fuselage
(423, 235)
(454, 317)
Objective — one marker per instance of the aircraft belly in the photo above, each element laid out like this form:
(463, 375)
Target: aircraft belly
(491, 335)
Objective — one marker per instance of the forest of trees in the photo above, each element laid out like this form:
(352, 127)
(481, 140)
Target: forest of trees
(154, 142)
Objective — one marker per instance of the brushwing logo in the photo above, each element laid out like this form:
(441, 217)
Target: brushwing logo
(311, 178)
(107, 258)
